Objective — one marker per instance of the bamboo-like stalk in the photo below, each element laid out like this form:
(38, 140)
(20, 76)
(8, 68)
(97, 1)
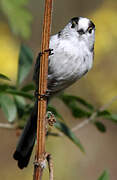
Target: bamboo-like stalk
(42, 103)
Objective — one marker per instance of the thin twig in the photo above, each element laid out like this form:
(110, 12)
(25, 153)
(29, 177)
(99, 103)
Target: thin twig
(108, 104)
(50, 166)
(85, 122)
(88, 120)
(7, 126)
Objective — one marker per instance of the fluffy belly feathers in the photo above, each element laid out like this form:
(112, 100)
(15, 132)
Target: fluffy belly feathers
(64, 69)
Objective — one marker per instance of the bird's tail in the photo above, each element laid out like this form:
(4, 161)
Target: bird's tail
(27, 140)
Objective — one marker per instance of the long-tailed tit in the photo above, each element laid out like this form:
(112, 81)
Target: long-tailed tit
(72, 57)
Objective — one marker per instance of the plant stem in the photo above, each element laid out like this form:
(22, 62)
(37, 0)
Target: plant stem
(94, 115)
(42, 103)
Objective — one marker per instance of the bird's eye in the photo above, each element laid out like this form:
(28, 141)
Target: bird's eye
(90, 30)
(81, 31)
(73, 24)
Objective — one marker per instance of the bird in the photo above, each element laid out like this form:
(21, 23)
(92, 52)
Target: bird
(71, 58)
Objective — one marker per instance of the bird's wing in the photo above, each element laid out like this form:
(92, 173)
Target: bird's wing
(36, 70)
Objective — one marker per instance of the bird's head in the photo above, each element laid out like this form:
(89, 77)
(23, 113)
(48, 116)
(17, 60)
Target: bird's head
(81, 29)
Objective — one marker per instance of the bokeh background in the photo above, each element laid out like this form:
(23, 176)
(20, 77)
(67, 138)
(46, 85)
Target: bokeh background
(98, 87)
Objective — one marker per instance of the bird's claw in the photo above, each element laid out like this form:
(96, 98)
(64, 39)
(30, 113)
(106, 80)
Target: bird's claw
(46, 51)
(42, 96)
(50, 51)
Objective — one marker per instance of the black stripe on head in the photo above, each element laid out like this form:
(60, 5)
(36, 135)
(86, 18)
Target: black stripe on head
(91, 24)
(74, 21)
(59, 34)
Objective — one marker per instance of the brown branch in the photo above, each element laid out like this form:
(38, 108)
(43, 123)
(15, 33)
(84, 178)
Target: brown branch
(42, 103)
(50, 166)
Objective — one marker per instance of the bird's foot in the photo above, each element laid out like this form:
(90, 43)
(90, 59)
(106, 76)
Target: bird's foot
(46, 51)
(50, 51)
(42, 96)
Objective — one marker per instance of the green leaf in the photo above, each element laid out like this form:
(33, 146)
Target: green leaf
(29, 87)
(9, 89)
(4, 87)
(100, 126)
(85, 103)
(104, 176)
(20, 101)
(18, 16)
(71, 103)
(67, 97)
(66, 130)
(8, 107)
(103, 113)
(77, 112)
(25, 63)
(20, 93)
(112, 117)
(4, 77)
(108, 115)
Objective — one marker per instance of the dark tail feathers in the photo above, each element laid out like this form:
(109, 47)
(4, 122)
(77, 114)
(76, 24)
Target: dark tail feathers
(27, 140)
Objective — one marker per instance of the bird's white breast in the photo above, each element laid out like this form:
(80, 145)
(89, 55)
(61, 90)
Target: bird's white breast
(69, 62)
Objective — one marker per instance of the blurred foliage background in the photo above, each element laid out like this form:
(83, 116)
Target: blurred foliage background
(21, 22)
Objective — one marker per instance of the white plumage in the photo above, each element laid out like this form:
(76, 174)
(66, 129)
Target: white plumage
(72, 56)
